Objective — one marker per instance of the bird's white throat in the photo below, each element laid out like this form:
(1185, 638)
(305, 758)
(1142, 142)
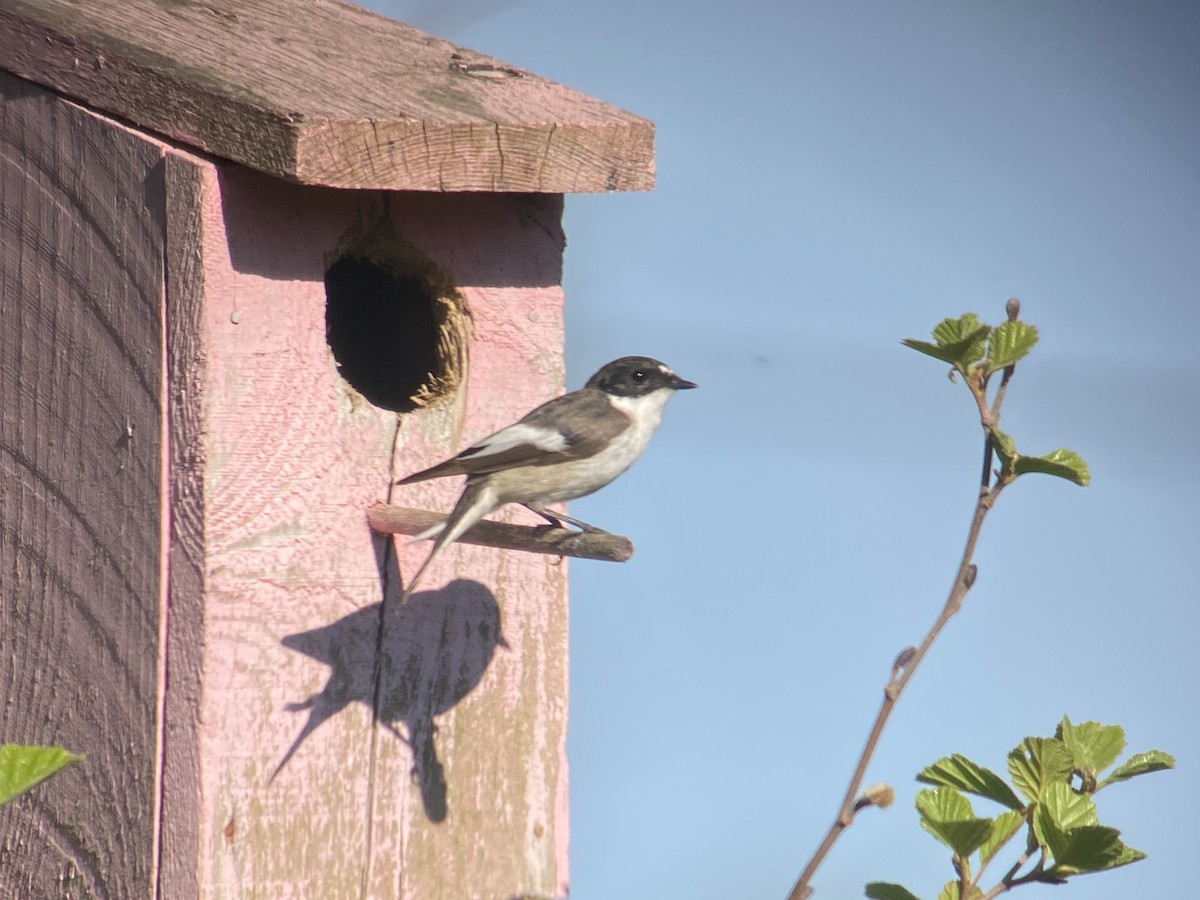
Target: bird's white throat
(646, 411)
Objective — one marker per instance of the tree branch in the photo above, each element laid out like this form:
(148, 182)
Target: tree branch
(910, 659)
(1010, 879)
(902, 673)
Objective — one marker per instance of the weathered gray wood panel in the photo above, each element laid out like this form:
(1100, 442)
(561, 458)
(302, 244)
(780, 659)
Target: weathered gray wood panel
(181, 815)
(81, 257)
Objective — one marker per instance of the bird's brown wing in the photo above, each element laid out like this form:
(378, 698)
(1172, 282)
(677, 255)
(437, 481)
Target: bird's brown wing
(540, 438)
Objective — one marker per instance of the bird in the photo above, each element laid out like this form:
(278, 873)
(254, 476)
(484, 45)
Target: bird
(566, 448)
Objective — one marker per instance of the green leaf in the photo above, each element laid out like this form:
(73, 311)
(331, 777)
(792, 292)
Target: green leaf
(1037, 763)
(955, 354)
(959, 772)
(22, 767)
(1060, 463)
(1140, 764)
(1092, 848)
(947, 815)
(1004, 827)
(954, 331)
(1126, 856)
(1065, 823)
(1094, 747)
(1066, 808)
(882, 890)
(1009, 343)
(960, 341)
(927, 348)
(944, 804)
(1050, 834)
(1004, 446)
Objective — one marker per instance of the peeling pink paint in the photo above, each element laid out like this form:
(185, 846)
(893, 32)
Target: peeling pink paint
(290, 462)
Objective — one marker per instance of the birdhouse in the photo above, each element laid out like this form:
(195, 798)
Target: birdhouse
(259, 260)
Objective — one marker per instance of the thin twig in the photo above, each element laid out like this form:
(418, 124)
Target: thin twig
(909, 660)
(962, 868)
(1010, 879)
(1013, 309)
(964, 578)
(983, 864)
(986, 476)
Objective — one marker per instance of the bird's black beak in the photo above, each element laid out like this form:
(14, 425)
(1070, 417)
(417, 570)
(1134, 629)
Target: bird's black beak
(681, 384)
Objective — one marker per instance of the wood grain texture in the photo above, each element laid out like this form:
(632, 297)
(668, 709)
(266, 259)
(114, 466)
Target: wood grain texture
(349, 746)
(81, 419)
(179, 866)
(326, 93)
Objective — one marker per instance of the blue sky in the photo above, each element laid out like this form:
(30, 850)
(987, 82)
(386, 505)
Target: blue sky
(833, 177)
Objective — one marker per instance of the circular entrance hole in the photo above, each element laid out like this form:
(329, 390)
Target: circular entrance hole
(396, 325)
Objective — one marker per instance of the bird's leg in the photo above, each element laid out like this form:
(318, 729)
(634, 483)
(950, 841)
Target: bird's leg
(557, 519)
(583, 526)
(548, 516)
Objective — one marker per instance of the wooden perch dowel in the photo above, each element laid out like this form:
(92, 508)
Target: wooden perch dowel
(387, 519)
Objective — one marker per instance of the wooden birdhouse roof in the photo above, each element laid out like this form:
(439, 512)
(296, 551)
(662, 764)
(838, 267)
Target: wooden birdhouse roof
(325, 92)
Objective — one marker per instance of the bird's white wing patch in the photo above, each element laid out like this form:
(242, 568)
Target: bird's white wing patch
(545, 439)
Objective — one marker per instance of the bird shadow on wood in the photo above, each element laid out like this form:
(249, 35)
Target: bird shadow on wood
(408, 663)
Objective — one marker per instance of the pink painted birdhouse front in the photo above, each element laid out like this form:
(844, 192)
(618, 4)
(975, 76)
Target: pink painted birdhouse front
(258, 262)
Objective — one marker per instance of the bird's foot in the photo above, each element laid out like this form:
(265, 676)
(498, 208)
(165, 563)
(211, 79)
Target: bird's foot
(591, 529)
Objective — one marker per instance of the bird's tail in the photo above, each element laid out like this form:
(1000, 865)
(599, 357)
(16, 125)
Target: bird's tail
(477, 501)
(427, 533)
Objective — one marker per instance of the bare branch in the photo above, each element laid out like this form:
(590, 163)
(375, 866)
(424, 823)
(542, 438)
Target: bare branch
(963, 579)
(909, 660)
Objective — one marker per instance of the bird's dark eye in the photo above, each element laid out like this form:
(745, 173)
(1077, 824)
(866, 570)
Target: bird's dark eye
(639, 375)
